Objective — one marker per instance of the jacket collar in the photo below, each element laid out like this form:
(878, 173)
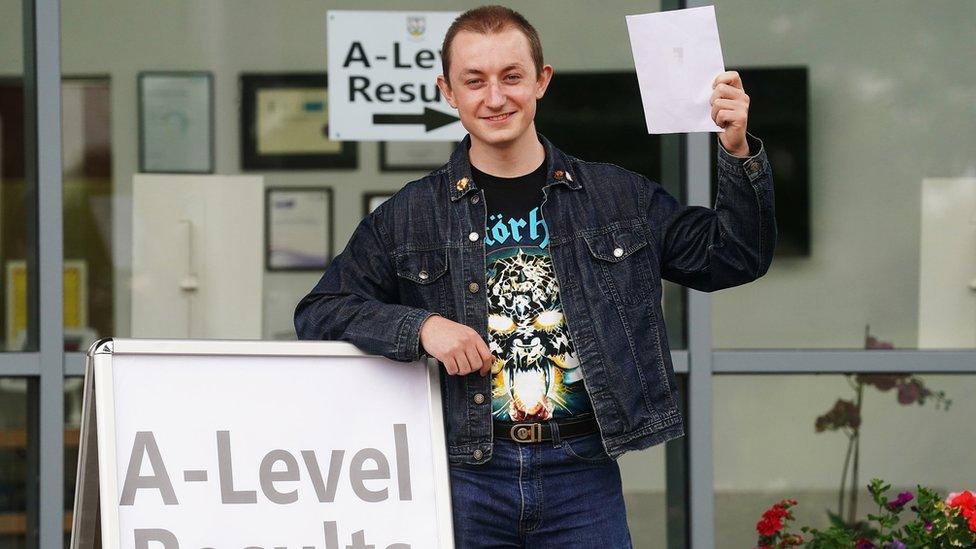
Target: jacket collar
(558, 169)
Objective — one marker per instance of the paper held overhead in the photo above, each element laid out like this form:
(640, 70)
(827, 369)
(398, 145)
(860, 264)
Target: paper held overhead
(677, 55)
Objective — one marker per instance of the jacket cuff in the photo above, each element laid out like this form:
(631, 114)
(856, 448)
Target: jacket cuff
(753, 166)
(408, 336)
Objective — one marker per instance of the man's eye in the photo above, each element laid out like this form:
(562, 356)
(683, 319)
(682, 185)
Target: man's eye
(549, 320)
(513, 78)
(500, 324)
(473, 82)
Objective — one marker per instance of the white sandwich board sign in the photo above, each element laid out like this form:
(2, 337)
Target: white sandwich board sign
(383, 68)
(259, 444)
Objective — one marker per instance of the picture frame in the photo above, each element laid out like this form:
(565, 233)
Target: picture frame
(75, 295)
(176, 121)
(372, 199)
(284, 124)
(299, 227)
(412, 156)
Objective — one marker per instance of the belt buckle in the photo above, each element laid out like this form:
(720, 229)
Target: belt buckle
(526, 432)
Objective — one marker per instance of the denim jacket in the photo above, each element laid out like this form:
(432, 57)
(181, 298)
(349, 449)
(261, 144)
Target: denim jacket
(613, 235)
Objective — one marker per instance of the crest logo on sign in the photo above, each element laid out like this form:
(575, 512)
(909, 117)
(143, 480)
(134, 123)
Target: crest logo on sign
(416, 26)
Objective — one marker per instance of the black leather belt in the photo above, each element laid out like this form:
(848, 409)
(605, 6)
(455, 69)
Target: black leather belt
(542, 432)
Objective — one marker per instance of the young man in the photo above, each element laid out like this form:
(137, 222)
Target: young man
(534, 278)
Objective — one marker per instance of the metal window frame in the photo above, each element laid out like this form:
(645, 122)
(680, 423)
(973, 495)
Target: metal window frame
(42, 366)
(49, 364)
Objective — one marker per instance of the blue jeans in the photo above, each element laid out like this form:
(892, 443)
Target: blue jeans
(561, 494)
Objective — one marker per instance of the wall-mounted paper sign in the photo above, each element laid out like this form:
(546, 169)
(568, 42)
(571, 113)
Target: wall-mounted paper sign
(299, 228)
(383, 68)
(176, 122)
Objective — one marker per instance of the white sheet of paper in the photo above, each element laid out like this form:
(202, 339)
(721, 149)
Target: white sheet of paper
(677, 54)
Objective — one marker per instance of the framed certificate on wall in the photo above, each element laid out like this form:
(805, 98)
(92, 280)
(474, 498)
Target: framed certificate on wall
(373, 199)
(299, 226)
(176, 120)
(405, 156)
(285, 124)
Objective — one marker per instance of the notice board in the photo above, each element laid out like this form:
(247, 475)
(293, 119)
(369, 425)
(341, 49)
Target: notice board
(259, 444)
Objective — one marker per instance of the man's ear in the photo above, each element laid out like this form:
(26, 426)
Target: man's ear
(445, 88)
(542, 82)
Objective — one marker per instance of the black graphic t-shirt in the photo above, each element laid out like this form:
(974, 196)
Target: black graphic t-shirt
(538, 375)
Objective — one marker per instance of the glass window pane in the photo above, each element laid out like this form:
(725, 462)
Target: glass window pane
(653, 482)
(14, 208)
(112, 229)
(15, 453)
(88, 218)
(787, 436)
(644, 479)
(877, 182)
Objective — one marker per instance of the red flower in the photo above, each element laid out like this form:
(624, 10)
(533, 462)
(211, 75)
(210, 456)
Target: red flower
(769, 526)
(864, 543)
(775, 512)
(962, 499)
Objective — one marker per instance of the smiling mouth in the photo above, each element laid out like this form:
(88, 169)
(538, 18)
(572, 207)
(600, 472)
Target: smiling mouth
(498, 118)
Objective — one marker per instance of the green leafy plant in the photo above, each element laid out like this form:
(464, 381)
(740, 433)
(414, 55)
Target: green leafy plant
(933, 523)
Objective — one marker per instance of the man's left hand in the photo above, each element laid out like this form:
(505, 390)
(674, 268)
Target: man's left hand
(730, 111)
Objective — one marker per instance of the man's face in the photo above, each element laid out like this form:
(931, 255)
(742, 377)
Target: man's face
(494, 86)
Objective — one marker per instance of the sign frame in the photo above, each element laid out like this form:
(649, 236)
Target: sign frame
(95, 521)
(384, 65)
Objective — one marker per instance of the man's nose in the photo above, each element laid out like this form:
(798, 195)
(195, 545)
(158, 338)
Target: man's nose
(496, 98)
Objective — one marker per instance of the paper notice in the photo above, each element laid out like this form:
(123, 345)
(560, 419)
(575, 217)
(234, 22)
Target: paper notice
(677, 55)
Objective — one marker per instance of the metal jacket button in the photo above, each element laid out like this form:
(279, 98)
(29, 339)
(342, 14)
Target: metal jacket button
(479, 398)
(423, 275)
(617, 252)
(473, 237)
(473, 287)
(478, 454)
(475, 199)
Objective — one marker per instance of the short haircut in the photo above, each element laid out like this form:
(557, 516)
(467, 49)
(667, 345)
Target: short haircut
(491, 20)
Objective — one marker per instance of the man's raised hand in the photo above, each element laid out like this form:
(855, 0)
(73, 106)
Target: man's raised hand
(730, 111)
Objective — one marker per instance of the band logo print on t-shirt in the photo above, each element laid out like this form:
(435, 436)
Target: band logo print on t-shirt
(537, 376)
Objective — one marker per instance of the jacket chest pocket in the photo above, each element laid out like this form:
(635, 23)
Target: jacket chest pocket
(621, 264)
(422, 279)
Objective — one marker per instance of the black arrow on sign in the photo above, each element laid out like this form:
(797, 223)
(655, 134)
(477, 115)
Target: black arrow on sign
(431, 119)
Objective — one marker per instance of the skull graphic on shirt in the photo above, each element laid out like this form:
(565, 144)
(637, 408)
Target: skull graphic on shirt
(537, 371)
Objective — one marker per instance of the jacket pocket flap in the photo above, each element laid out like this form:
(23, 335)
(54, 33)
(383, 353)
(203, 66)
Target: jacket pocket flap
(615, 245)
(422, 267)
